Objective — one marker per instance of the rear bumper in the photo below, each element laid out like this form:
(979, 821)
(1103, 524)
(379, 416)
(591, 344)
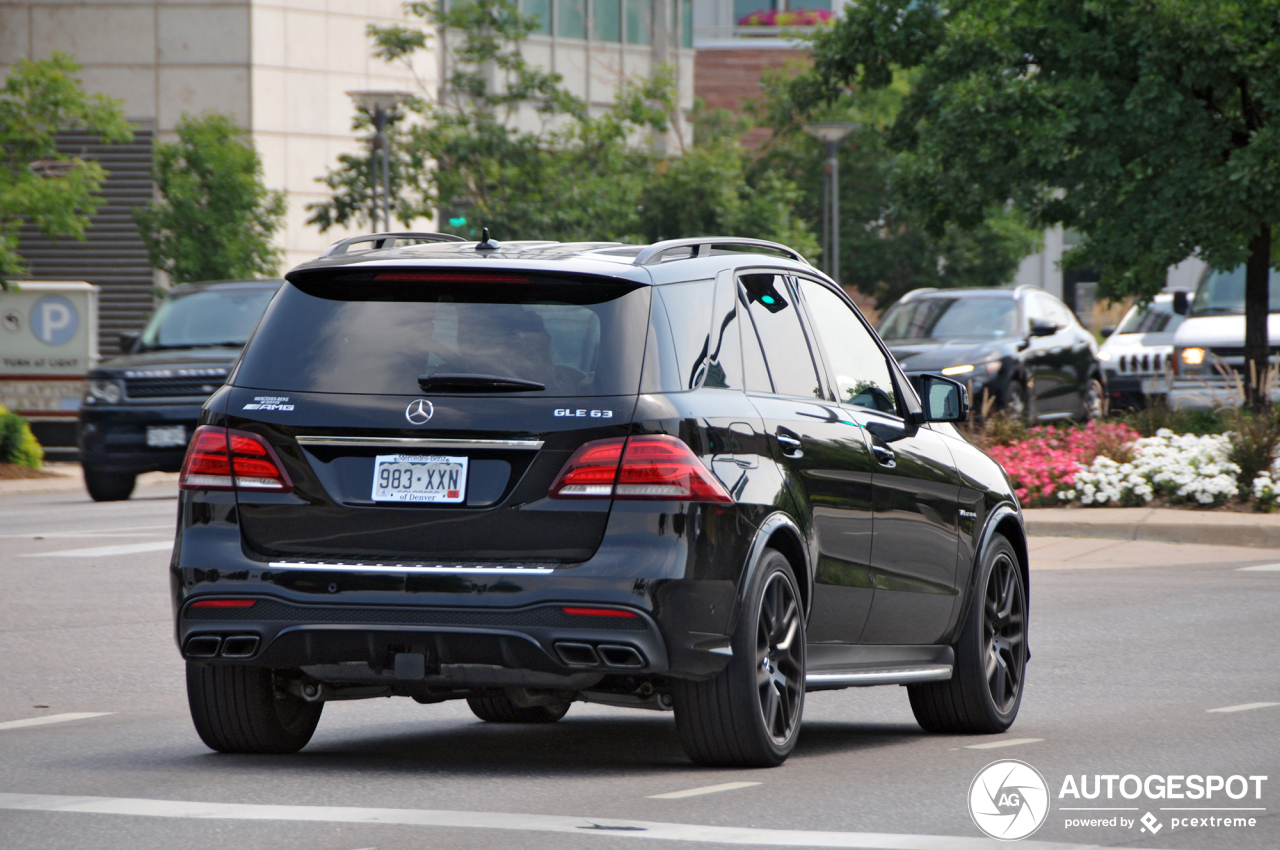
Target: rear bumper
(114, 439)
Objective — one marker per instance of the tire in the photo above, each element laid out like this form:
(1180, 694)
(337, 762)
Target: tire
(1095, 401)
(109, 486)
(498, 708)
(749, 714)
(975, 701)
(236, 709)
(1017, 402)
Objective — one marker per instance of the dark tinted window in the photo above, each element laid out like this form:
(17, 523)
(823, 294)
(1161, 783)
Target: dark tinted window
(1222, 293)
(206, 317)
(786, 351)
(940, 317)
(577, 338)
(861, 372)
(689, 307)
(724, 369)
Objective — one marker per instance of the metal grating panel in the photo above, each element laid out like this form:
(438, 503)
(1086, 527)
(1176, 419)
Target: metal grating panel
(113, 255)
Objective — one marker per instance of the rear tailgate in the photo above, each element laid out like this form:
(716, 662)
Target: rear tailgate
(383, 469)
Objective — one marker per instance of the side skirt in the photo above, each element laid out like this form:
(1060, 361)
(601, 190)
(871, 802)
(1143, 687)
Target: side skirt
(832, 666)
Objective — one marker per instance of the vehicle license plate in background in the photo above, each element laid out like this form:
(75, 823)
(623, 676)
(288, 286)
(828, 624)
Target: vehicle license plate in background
(160, 436)
(419, 478)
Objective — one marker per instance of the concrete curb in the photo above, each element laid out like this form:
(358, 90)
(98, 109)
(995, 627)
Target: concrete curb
(69, 477)
(1164, 525)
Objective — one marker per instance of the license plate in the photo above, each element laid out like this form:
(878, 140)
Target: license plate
(164, 436)
(419, 478)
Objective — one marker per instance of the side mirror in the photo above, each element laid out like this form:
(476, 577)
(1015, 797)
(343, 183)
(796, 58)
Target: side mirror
(129, 342)
(1181, 304)
(1041, 328)
(944, 400)
(1107, 331)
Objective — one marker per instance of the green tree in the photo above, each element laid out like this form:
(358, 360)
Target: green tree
(578, 177)
(1148, 125)
(215, 217)
(56, 192)
(886, 246)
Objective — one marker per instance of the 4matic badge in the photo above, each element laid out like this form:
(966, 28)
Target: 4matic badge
(1009, 800)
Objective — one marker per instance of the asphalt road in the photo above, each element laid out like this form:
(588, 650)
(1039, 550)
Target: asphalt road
(1133, 646)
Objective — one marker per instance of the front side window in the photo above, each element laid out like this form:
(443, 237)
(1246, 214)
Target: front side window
(863, 377)
(777, 324)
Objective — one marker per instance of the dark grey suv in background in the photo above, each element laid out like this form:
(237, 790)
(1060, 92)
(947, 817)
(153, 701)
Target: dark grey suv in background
(679, 476)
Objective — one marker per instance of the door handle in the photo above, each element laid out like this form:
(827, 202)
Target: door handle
(884, 455)
(790, 445)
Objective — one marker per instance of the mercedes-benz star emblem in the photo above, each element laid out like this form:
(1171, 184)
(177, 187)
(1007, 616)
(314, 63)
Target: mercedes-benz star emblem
(419, 411)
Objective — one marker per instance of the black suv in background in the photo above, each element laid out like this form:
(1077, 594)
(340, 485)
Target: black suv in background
(1020, 350)
(682, 476)
(139, 410)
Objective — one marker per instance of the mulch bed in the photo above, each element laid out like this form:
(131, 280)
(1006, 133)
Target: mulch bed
(10, 471)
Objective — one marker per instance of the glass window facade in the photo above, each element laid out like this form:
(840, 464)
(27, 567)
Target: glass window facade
(606, 20)
(571, 18)
(686, 23)
(540, 9)
(639, 20)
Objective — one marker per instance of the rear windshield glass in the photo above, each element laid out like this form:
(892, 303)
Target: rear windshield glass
(381, 336)
(951, 318)
(206, 317)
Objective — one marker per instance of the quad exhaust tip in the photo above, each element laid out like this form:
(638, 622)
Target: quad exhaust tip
(606, 654)
(235, 646)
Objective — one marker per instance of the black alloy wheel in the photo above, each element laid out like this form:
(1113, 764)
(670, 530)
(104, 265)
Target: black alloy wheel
(779, 661)
(985, 689)
(749, 714)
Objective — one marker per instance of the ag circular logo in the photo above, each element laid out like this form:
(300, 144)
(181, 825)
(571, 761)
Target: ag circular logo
(54, 320)
(419, 411)
(1009, 800)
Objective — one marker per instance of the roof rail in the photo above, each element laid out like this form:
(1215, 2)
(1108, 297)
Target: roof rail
(917, 292)
(387, 240)
(701, 247)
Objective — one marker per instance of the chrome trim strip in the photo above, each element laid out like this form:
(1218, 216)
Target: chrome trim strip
(932, 673)
(420, 442)
(409, 568)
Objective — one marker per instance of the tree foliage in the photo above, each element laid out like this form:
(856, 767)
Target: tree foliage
(887, 247)
(215, 218)
(1147, 125)
(56, 192)
(508, 147)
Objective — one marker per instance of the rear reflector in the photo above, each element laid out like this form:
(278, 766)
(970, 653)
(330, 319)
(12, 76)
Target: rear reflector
(224, 603)
(650, 467)
(226, 459)
(598, 612)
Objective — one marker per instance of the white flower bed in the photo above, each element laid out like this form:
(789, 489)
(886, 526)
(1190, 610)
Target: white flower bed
(1184, 467)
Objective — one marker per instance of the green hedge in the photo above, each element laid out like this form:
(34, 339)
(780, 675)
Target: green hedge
(17, 443)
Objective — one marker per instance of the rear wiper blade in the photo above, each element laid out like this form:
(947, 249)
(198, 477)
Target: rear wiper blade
(466, 383)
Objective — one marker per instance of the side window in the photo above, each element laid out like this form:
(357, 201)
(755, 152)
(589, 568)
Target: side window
(863, 377)
(786, 351)
(756, 374)
(724, 363)
(1037, 310)
(689, 309)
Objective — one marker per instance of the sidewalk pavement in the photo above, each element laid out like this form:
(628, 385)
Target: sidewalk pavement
(67, 476)
(1092, 553)
(1165, 525)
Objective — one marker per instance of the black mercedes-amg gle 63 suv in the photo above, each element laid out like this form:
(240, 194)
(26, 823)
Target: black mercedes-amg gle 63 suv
(681, 476)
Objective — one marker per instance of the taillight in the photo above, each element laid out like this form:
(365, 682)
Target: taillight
(225, 459)
(652, 467)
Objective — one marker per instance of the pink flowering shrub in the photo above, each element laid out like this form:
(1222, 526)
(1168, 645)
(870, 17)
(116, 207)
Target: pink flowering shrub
(796, 18)
(1047, 460)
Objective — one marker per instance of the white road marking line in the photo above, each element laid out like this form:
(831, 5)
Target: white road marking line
(698, 792)
(1012, 742)
(1248, 706)
(509, 821)
(52, 718)
(122, 531)
(104, 551)
(1264, 568)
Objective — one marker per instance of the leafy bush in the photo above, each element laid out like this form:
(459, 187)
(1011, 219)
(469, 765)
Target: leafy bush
(1150, 420)
(17, 443)
(1253, 445)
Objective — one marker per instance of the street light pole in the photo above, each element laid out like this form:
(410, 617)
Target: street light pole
(378, 104)
(831, 134)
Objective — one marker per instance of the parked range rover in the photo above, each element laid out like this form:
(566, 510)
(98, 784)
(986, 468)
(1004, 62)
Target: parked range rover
(1140, 347)
(680, 476)
(1021, 350)
(140, 409)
